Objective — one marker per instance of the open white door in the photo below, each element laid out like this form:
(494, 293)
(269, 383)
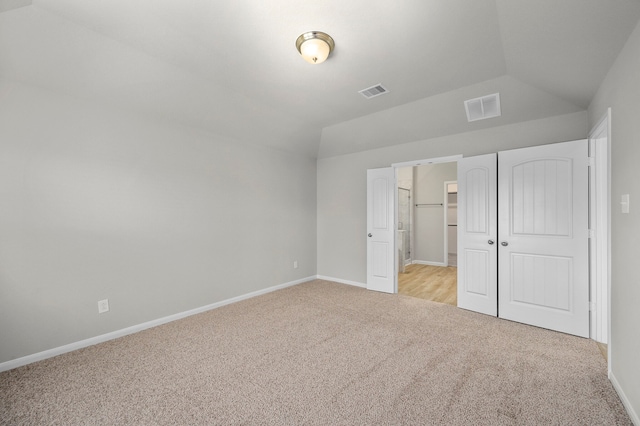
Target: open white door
(599, 205)
(381, 190)
(477, 234)
(543, 235)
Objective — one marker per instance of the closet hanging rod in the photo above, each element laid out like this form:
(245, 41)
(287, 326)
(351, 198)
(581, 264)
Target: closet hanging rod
(429, 204)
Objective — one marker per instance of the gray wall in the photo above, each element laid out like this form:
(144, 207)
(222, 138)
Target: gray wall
(342, 182)
(621, 91)
(157, 218)
(429, 220)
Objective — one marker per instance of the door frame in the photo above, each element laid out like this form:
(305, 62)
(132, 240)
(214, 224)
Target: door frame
(600, 226)
(396, 166)
(603, 179)
(398, 188)
(445, 206)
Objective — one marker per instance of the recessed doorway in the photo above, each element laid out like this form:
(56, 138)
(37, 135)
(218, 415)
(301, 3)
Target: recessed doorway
(427, 231)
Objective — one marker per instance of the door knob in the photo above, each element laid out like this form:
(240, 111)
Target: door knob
(490, 242)
(369, 235)
(504, 243)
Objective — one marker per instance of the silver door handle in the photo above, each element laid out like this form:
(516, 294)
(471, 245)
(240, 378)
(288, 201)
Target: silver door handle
(490, 242)
(369, 235)
(504, 243)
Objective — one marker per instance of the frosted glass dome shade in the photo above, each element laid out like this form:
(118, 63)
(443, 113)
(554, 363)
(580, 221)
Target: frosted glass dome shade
(315, 46)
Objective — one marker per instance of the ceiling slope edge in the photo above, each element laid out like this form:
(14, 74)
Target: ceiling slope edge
(441, 115)
(41, 49)
(7, 5)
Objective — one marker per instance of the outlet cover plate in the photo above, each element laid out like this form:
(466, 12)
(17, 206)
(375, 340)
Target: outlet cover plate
(103, 306)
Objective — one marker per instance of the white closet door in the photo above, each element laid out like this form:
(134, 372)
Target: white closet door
(543, 235)
(477, 232)
(381, 190)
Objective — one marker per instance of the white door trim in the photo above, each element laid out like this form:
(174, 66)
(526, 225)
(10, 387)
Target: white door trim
(449, 159)
(445, 206)
(600, 223)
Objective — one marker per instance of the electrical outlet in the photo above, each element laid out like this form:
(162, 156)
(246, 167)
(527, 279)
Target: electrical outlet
(624, 203)
(103, 306)
(295, 264)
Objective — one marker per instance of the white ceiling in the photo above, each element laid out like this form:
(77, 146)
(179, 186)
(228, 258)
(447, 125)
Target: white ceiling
(231, 67)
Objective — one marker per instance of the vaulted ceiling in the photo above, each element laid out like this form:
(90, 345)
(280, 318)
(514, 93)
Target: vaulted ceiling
(231, 67)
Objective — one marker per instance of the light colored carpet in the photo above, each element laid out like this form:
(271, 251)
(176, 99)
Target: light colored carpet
(326, 354)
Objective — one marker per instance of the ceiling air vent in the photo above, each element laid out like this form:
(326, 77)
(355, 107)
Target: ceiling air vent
(373, 91)
(484, 107)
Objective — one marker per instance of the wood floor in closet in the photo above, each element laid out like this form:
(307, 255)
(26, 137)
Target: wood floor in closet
(435, 283)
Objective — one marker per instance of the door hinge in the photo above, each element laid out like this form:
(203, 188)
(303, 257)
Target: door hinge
(591, 161)
(591, 233)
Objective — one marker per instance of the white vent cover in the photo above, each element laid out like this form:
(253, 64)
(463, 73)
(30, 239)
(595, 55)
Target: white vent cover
(484, 107)
(373, 91)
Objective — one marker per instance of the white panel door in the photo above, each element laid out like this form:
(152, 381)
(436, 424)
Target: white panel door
(543, 234)
(477, 234)
(381, 190)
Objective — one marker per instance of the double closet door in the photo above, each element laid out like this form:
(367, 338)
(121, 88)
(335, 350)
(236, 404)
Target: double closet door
(523, 236)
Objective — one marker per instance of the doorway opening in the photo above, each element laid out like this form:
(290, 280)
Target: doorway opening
(427, 231)
(600, 226)
(382, 209)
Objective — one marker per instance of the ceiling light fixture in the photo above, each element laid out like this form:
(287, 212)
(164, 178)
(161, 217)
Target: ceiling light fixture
(315, 46)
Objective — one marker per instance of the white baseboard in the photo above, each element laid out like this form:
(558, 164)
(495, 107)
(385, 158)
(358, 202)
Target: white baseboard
(625, 401)
(338, 280)
(19, 362)
(426, 262)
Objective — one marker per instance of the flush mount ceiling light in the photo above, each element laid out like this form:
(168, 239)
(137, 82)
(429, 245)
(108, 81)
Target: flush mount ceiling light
(315, 46)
